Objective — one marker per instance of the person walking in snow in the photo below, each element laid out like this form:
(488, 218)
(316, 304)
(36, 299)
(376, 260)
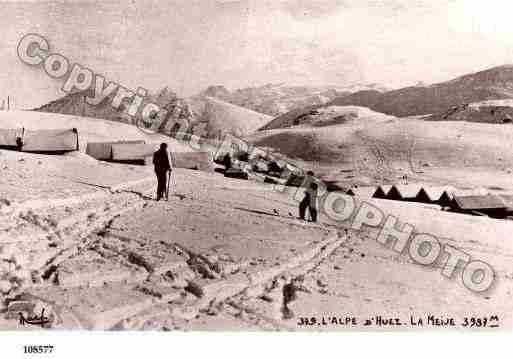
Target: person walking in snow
(162, 167)
(312, 204)
(310, 200)
(19, 144)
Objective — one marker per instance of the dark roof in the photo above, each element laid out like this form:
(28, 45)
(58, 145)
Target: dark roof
(384, 188)
(435, 193)
(405, 191)
(479, 202)
(366, 192)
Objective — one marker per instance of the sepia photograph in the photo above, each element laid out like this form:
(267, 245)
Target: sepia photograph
(256, 166)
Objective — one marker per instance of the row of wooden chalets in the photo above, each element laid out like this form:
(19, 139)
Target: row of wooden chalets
(479, 202)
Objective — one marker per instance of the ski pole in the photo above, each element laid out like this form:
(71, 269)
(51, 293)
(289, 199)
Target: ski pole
(168, 181)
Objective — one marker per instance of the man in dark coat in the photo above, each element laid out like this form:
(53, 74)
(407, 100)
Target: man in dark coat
(19, 144)
(162, 166)
(305, 203)
(310, 200)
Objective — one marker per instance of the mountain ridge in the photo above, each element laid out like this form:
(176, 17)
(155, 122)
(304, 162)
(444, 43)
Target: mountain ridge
(491, 84)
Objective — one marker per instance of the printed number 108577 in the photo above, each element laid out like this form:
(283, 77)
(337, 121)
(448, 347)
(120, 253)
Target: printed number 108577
(37, 349)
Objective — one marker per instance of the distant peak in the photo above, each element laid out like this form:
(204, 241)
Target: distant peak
(216, 91)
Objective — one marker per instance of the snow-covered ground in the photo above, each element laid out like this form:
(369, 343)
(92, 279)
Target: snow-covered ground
(220, 254)
(86, 240)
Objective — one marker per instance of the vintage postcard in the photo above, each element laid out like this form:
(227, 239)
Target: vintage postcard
(256, 166)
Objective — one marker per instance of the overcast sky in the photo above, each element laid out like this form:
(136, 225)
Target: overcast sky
(189, 45)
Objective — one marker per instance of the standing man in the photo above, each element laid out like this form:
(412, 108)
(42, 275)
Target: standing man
(162, 166)
(312, 205)
(310, 196)
(19, 144)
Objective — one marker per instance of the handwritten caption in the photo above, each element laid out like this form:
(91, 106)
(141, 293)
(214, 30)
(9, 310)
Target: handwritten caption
(379, 321)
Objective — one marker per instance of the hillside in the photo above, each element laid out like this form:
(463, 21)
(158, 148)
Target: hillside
(380, 149)
(215, 118)
(395, 141)
(318, 116)
(491, 84)
(75, 104)
(492, 111)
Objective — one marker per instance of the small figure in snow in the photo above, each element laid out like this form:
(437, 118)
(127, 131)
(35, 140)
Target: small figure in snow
(19, 143)
(162, 167)
(310, 200)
